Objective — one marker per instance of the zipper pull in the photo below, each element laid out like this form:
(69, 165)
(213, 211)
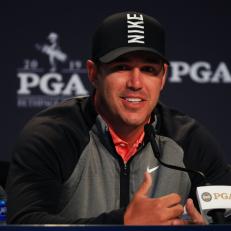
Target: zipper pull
(125, 172)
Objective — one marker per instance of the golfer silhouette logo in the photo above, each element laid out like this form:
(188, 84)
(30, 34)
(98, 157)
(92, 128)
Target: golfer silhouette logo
(53, 51)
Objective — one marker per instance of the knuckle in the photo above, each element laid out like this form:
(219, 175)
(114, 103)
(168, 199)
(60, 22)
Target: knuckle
(180, 208)
(158, 204)
(176, 196)
(161, 217)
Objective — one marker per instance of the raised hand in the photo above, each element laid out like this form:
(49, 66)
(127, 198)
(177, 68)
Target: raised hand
(143, 210)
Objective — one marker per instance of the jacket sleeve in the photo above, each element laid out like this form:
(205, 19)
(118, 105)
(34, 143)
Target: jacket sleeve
(37, 172)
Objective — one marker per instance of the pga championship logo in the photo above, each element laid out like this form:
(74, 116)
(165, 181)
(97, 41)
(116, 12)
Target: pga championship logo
(206, 196)
(200, 72)
(41, 87)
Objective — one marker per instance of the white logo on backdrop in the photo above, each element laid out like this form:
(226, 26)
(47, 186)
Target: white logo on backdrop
(199, 72)
(53, 51)
(39, 87)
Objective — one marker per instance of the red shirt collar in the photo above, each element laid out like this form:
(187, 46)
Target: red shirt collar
(122, 146)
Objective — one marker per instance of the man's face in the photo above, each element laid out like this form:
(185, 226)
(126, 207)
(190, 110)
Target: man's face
(128, 89)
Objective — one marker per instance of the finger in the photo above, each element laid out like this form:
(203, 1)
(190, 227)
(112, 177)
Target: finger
(175, 221)
(170, 199)
(178, 222)
(174, 212)
(193, 213)
(146, 184)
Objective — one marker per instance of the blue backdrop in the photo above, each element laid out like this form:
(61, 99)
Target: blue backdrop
(45, 47)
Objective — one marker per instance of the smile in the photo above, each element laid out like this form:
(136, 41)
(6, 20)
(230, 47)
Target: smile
(133, 100)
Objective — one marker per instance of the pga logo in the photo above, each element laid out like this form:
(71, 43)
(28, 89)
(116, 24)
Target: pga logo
(206, 196)
(200, 72)
(50, 84)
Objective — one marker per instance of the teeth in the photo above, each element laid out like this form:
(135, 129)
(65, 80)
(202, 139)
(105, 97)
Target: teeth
(133, 99)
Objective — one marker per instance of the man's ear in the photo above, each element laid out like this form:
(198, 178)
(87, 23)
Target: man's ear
(164, 76)
(92, 72)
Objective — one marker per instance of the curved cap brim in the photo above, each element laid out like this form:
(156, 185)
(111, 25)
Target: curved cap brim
(112, 55)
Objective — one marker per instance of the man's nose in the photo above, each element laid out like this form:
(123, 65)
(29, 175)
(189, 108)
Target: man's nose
(135, 79)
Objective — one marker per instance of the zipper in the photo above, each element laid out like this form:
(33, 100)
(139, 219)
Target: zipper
(125, 169)
(124, 185)
(125, 181)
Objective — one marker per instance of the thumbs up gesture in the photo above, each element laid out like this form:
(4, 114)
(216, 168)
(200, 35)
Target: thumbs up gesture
(165, 210)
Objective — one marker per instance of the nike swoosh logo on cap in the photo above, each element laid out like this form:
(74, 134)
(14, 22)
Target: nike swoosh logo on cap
(150, 170)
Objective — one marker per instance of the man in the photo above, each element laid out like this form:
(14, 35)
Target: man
(89, 160)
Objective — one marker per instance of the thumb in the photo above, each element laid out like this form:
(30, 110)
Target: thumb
(193, 213)
(146, 184)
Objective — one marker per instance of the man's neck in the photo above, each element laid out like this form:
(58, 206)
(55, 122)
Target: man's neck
(127, 134)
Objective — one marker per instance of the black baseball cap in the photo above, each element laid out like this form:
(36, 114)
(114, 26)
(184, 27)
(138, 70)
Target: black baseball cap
(125, 32)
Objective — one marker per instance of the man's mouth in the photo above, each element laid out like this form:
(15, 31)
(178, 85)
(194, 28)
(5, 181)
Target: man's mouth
(133, 100)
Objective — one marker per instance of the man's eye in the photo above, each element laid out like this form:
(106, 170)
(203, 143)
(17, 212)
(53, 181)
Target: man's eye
(121, 67)
(151, 70)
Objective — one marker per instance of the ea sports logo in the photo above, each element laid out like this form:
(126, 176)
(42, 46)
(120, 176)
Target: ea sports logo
(206, 197)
